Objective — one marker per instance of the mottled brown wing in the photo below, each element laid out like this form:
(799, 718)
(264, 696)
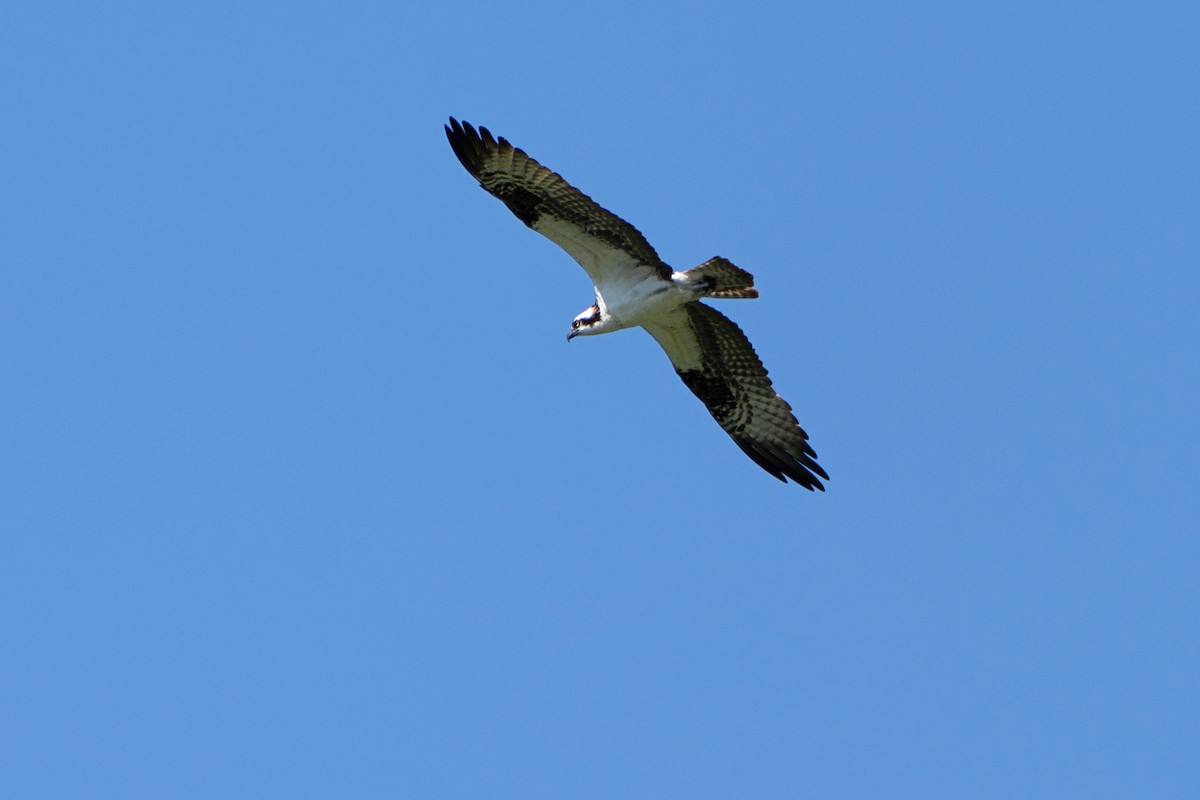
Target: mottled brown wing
(606, 246)
(717, 362)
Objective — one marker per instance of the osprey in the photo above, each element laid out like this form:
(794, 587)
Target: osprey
(635, 288)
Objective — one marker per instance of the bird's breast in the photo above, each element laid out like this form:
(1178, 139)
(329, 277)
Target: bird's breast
(636, 302)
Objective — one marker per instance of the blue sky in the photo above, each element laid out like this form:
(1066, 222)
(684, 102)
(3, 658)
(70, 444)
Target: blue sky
(305, 494)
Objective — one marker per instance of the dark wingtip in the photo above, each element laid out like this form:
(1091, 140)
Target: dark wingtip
(474, 146)
(466, 144)
(815, 467)
(783, 466)
(805, 471)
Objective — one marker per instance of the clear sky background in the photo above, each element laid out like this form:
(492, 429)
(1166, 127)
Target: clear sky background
(305, 494)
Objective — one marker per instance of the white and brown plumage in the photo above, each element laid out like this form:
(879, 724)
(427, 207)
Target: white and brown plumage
(635, 288)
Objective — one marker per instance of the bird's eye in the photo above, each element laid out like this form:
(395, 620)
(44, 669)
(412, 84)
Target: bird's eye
(575, 324)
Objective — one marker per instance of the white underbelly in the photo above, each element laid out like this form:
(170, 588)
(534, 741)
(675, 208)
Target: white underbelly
(634, 304)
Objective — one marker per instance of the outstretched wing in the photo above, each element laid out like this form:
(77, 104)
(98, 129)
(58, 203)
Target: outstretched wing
(606, 246)
(717, 362)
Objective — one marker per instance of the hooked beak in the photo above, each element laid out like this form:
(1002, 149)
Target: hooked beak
(571, 335)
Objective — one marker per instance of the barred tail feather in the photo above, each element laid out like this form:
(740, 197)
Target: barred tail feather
(722, 280)
(745, 293)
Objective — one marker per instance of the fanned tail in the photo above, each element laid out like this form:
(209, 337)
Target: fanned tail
(720, 279)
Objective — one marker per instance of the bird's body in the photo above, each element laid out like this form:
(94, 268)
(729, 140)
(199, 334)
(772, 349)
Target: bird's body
(639, 302)
(634, 288)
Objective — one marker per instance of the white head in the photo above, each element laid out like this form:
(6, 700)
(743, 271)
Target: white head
(588, 323)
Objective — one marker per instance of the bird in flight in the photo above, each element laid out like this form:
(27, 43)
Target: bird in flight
(635, 288)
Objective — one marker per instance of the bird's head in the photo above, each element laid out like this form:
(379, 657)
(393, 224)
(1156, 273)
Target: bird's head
(586, 324)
